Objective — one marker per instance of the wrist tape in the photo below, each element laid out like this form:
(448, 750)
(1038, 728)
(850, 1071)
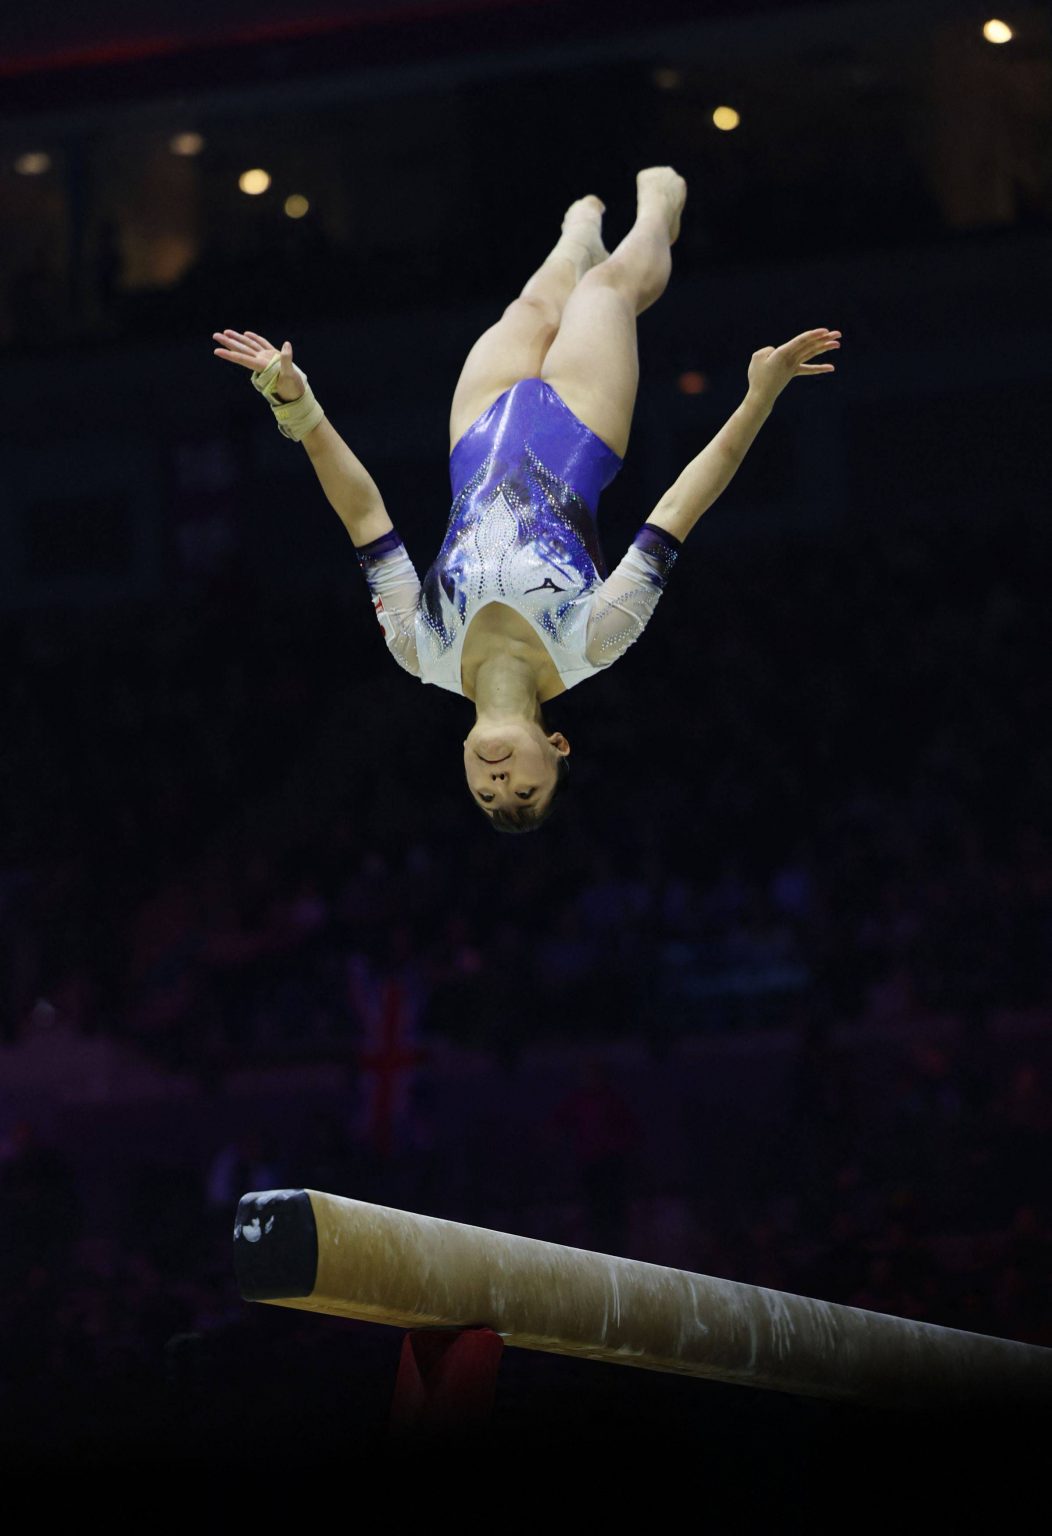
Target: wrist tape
(295, 418)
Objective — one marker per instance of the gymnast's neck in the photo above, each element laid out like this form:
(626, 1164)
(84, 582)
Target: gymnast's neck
(505, 687)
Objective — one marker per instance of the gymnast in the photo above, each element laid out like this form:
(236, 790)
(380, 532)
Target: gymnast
(515, 609)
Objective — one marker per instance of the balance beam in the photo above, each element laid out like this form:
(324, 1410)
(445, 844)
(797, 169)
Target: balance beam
(323, 1253)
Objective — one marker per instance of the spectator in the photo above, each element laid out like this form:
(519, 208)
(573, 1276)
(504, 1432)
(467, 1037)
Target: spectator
(602, 1134)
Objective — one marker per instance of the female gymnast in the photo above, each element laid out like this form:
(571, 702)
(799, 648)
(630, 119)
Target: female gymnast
(515, 609)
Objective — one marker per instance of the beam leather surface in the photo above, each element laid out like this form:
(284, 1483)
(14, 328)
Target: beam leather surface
(411, 1271)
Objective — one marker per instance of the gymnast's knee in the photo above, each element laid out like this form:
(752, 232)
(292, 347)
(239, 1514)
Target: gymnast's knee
(633, 289)
(535, 310)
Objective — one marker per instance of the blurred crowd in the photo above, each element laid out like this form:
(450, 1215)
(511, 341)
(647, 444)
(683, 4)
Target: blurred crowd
(829, 813)
(836, 786)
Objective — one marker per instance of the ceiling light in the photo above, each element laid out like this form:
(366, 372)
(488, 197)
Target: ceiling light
(254, 182)
(36, 163)
(186, 144)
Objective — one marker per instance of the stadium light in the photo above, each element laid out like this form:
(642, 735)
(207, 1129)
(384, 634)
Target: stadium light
(725, 119)
(254, 182)
(997, 31)
(36, 163)
(186, 143)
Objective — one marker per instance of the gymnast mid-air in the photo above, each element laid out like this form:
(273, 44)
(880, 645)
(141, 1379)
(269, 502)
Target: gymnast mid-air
(517, 607)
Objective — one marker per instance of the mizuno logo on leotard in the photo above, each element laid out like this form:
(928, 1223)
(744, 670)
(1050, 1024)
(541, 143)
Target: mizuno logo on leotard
(546, 585)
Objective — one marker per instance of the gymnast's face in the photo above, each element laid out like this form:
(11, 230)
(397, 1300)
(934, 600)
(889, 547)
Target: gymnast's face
(512, 764)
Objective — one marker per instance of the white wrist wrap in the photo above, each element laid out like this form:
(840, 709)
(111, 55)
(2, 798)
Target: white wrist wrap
(295, 418)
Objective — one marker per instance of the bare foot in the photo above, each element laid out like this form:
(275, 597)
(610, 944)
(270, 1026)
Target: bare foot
(583, 225)
(660, 183)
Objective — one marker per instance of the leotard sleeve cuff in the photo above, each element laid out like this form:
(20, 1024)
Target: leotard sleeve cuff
(661, 549)
(384, 545)
(395, 591)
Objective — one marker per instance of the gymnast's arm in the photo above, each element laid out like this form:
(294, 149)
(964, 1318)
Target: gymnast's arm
(707, 476)
(350, 489)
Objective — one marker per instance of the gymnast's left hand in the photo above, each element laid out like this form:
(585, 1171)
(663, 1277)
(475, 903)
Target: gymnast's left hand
(256, 352)
(771, 368)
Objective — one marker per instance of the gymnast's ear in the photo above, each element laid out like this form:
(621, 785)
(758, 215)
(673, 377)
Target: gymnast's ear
(559, 742)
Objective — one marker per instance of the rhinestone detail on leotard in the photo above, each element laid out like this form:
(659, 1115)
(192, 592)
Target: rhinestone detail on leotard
(523, 534)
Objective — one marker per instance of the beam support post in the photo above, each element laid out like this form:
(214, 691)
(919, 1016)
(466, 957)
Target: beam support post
(446, 1381)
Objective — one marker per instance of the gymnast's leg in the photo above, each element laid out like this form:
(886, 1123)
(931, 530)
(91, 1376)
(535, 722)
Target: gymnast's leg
(593, 363)
(515, 347)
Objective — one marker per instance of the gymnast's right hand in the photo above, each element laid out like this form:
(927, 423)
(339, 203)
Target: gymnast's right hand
(256, 353)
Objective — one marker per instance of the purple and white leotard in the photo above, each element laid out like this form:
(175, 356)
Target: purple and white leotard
(526, 478)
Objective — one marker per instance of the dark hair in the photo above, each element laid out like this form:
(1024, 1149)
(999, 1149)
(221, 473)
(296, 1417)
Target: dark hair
(530, 817)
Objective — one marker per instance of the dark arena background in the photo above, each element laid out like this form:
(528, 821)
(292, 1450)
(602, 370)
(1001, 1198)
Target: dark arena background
(770, 997)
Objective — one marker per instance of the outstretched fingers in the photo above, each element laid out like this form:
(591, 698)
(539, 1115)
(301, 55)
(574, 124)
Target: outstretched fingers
(808, 343)
(235, 340)
(233, 344)
(233, 357)
(246, 348)
(811, 344)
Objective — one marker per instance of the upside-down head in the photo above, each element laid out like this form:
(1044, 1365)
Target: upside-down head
(515, 771)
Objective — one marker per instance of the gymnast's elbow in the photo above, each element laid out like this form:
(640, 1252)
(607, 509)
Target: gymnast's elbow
(669, 511)
(676, 516)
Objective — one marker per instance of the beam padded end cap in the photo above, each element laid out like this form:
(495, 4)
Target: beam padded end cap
(275, 1245)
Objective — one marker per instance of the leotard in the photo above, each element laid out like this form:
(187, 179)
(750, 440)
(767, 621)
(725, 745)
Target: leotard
(526, 480)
